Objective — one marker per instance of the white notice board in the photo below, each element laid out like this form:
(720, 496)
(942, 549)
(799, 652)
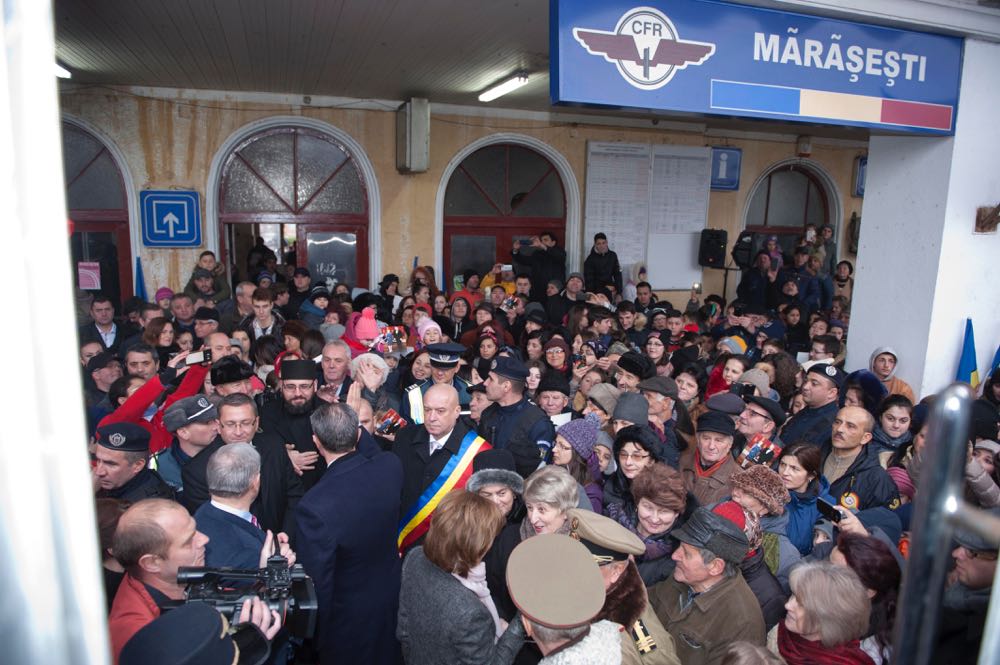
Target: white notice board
(652, 203)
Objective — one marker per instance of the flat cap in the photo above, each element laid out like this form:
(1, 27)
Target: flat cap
(974, 541)
(606, 539)
(201, 273)
(727, 403)
(663, 385)
(555, 582)
(774, 410)
(230, 369)
(298, 370)
(127, 437)
(713, 421)
(206, 314)
(509, 368)
(183, 412)
(605, 397)
(101, 360)
(445, 355)
(713, 532)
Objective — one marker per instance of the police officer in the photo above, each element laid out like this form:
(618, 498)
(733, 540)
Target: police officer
(614, 548)
(120, 470)
(512, 421)
(444, 359)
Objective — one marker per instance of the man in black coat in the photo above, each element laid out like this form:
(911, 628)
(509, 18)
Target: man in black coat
(103, 328)
(280, 487)
(850, 463)
(546, 261)
(425, 449)
(347, 542)
(288, 418)
(120, 470)
(601, 267)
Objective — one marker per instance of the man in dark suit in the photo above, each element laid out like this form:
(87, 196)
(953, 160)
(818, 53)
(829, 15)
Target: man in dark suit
(280, 487)
(347, 541)
(235, 538)
(103, 329)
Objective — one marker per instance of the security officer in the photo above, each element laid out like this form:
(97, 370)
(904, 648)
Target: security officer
(120, 465)
(444, 370)
(614, 548)
(512, 421)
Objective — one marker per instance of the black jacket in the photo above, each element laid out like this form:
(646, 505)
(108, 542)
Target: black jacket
(867, 479)
(518, 428)
(147, 484)
(602, 269)
(765, 587)
(293, 428)
(88, 333)
(280, 487)
(542, 265)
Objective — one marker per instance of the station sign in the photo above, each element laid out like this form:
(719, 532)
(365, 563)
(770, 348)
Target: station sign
(718, 58)
(170, 218)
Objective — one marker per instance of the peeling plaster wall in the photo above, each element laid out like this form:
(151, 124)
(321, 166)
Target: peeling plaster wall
(171, 142)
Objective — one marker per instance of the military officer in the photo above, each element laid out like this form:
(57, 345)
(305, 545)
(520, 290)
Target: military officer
(444, 370)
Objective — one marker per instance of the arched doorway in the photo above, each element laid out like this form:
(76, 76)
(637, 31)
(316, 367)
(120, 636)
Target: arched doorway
(97, 205)
(785, 198)
(300, 190)
(498, 195)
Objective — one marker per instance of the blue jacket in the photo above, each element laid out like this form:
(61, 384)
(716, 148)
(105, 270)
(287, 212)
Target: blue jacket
(803, 513)
(232, 541)
(810, 425)
(347, 544)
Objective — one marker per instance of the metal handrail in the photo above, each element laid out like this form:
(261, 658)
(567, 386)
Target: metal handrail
(939, 508)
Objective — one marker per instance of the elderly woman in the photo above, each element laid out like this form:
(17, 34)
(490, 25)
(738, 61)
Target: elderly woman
(636, 447)
(548, 494)
(661, 503)
(827, 615)
(446, 614)
(371, 371)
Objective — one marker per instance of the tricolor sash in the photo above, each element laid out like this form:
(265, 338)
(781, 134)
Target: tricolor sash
(417, 519)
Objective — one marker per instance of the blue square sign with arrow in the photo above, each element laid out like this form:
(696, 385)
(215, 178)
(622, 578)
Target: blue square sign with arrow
(170, 218)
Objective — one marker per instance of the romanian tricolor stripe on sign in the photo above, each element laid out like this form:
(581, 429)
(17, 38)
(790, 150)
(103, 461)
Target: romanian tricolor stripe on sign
(454, 474)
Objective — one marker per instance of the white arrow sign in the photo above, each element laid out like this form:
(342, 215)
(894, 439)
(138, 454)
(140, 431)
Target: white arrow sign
(172, 224)
(171, 221)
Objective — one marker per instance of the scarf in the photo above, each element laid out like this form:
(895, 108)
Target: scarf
(797, 650)
(527, 531)
(702, 472)
(475, 582)
(886, 441)
(657, 546)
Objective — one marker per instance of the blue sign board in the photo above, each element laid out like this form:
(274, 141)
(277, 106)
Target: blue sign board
(726, 168)
(704, 56)
(170, 218)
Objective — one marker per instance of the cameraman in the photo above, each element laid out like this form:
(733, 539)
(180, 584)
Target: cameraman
(235, 536)
(154, 538)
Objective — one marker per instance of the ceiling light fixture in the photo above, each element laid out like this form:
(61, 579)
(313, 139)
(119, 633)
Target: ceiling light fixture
(62, 72)
(510, 85)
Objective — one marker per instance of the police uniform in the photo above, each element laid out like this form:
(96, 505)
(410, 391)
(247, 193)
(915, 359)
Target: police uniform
(147, 484)
(442, 356)
(643, 638)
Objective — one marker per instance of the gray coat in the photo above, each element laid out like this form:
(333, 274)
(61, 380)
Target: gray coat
(440, 621)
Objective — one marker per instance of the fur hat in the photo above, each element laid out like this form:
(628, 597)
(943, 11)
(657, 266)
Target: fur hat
(763, 484)
(638, 364)
(581, 435)
(494, 467)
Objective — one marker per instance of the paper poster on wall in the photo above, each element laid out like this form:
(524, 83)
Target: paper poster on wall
(88, 275)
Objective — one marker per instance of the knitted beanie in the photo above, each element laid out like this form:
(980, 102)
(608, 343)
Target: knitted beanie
(763, 484)
(904, 483)
(581, 435)
(366, 327)
(734, 345)
(425, 325)
(745, 520)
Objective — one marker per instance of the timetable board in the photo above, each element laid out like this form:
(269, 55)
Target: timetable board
(652, 203)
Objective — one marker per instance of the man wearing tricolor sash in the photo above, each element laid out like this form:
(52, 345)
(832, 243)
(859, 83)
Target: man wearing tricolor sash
(437, 457)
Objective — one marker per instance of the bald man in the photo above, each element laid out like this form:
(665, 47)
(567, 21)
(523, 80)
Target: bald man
(857, 480)
(426, 449)
(218, 344)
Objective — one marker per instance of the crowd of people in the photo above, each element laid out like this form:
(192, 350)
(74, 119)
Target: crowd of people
(534, 467)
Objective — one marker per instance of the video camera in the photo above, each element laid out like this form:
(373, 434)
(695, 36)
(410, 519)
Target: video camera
(285, 589)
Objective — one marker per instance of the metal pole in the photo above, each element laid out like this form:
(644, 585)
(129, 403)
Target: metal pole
(51, 591)
(941, 475)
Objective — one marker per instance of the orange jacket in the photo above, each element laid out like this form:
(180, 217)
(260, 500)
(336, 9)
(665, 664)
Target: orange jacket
(132, 610)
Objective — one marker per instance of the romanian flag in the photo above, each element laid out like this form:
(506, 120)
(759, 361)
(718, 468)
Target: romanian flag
(967, 372)
(996, 362)
(140, 280)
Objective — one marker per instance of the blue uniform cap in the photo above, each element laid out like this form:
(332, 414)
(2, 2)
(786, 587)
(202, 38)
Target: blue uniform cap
(445, 355)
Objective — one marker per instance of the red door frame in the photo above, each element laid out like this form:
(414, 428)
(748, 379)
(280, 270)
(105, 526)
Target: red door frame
(115, 222)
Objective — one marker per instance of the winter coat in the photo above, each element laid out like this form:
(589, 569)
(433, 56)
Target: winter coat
(765, 587)
(983, 486)
(802, 514)
(132, 609)
(601, 646)
(703, 628)
(602, 269)
(441, 621)
(707, 488)
(780, 554)
(543, 265)
(811, 425)
(866, 479)
(311, 315)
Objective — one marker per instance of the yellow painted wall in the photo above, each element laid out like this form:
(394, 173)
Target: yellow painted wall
(170, 143)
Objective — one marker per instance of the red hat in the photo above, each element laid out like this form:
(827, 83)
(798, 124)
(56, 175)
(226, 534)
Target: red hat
(425, 307)
(366, 327)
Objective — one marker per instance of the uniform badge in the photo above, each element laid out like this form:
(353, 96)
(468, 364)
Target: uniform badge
(203, 403)
(644, 642)
(117, 440)
(831, 370)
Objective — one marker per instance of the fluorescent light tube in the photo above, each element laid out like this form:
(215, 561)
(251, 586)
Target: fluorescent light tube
(501, 89)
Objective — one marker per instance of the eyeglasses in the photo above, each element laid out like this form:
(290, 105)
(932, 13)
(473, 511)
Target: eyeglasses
(638, 457)
(551, 352)
(759, 414)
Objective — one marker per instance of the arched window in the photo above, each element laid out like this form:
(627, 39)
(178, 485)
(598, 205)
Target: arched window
(302, 193)
(499, 195)
(784, 201)
(98, 208)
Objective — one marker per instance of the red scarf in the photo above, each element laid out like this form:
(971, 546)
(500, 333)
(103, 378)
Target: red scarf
(702, 472)
(797, 650)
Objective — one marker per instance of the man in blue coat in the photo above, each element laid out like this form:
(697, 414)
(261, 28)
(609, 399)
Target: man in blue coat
(347, 541)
